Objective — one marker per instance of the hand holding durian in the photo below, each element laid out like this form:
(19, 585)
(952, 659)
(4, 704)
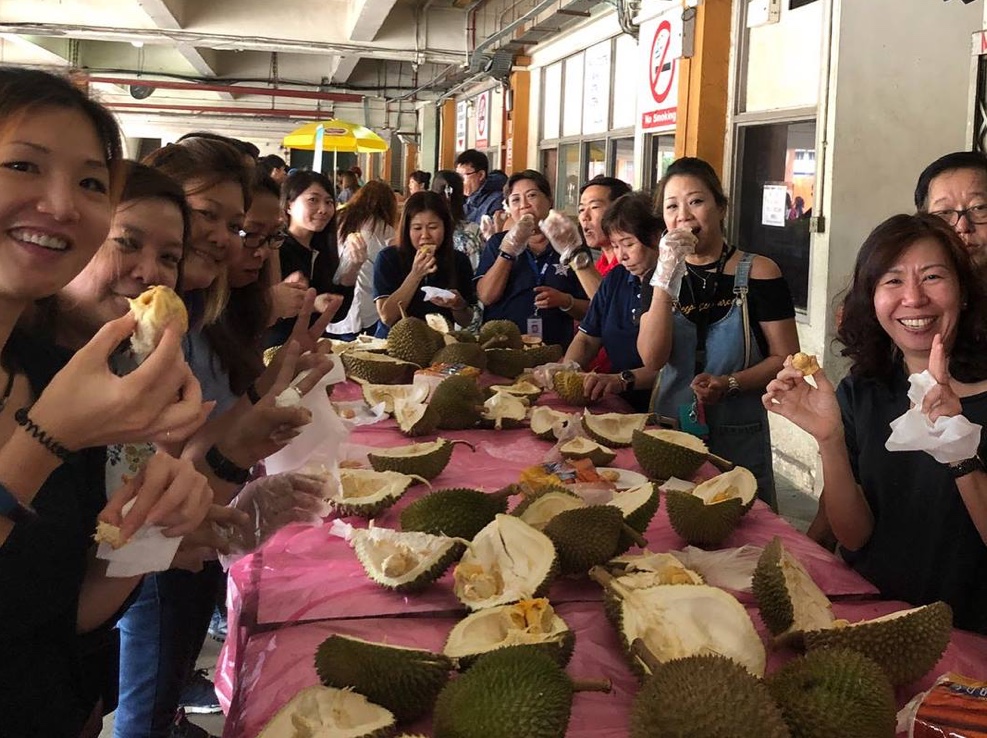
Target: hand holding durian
(814, 409)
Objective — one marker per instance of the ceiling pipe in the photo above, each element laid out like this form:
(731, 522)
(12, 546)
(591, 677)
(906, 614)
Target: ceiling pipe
(238, 89)
(212, 110)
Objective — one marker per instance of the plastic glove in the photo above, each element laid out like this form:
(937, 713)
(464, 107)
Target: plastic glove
(354, 253)
(542, 375)
(674, 246)
(517, 238)
(487, 229)
(562, 233)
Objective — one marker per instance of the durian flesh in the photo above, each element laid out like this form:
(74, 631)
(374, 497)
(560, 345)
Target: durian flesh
(525, 622)
(507, 561)
(539, 511)
(504, 411)
(547, 423)
(327, 712)
(375, 394)
(789, 600)
(366, 493)
(738, 483)
(614, 429)
(404, 561)
(649, 569)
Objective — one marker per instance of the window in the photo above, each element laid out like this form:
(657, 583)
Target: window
(792, 4)
(622, 165)
(572, 99)
(661, 156)
(595, 156)
(552, 102)
(567, 186)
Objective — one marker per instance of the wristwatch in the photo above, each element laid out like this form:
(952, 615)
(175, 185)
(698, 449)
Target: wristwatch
(967, 466)
(733, 386)
(627, 377)
(581, 259)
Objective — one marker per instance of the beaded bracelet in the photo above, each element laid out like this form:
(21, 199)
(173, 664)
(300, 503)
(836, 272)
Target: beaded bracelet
(40, 435)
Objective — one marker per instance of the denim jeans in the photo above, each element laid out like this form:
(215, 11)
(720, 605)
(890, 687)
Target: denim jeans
(161, 635)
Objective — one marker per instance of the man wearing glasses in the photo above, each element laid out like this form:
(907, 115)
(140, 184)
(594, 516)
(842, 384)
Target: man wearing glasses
(954, 188)
(484, 190)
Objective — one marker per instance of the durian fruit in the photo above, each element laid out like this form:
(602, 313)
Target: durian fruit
(706, 696)
(458, 402)
(415, 418)
(405, 681)
(360, 343)
(437, 322)
(505, 332)
(503, 411)
(613, 429)
(701, 524)
(585, 537)
(470, 354)
(546, 353)
(404, 561)
(522, 389)
(736, 483)
(789, 601)
(835, 692)
(675, 621)
(638, 506)
(413, 340)
(905, 644)
(458, 512)
(461, 336)
(425, 460)
(538, 508)
(377, 368)
(375, 394)
(368, 493)
(584, 448)
(507, 362)
(569, 386)
(547, 423)
(527, 622)
(666, 453)
(509, 693)
(327, 711)
(648, 569)
(507, 561)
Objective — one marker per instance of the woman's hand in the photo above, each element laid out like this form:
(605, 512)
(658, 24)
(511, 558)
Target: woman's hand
(327, 303)
(709, 389)
(940, 401)
(87, 405)
(223, 525)
(549, 297)
(813, 409)
(596, 386)
(456, 302)
(169, 492)
(356, 249)
(288, 296)
(424, 263)
(315, 354)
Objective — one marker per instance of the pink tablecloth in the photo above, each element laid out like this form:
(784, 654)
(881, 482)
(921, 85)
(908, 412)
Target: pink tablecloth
(305, 584)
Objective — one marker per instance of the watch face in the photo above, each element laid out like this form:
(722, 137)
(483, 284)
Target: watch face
(581, 260)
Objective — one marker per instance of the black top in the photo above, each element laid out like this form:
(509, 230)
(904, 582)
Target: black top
(319, 265)
(51, 678)
(767, 299)
(924, 546)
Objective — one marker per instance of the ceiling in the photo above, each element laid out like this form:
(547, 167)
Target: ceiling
(258, 68)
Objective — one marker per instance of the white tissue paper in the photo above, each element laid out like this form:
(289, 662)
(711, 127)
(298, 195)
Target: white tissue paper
(727, 568)
(319, 440)
(948, 440)
(437, 292)
(148, 550)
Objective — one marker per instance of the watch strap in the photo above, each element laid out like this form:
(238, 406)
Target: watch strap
(14, 510)
(967, 466)
(505, 255)
(225, 469)
(733, 386)
(627, 377)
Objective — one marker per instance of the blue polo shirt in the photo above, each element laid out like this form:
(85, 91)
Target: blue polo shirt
(610, 318)
(517, 303)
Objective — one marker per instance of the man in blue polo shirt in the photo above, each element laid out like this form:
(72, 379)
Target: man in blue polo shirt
(520, 277)
(484, 189)
(615, 312)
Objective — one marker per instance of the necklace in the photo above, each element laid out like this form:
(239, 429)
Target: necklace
(6, 391)
(700, 272)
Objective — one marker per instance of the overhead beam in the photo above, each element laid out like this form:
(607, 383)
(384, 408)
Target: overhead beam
(344, 66)
(223, 42)
(366, 17)
(36, 51)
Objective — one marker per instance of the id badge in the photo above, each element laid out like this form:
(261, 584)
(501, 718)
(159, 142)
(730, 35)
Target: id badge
(534, 327)
(692, 419)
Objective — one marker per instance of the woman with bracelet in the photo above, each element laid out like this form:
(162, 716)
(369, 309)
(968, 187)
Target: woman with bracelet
(719, 325)
(614, 314)
(914, 527)
(424, 256)
(60, 169)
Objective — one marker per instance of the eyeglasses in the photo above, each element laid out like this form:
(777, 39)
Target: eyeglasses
(976, 214)
(260, 241)
(464, 175)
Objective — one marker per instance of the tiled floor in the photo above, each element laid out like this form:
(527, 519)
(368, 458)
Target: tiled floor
(797, 507)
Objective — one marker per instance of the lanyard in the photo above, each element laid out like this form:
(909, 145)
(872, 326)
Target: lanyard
(533, 263)
(704, 305)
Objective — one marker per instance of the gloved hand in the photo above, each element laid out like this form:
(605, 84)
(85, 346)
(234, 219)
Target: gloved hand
(542, 375)
(517, 238)
(674, 246)
(354, 253)
(562, 233)
(487, 227)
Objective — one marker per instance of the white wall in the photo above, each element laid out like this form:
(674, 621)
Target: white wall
(784, 60)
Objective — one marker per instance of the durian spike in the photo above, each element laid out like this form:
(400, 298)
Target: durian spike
(591, 685)
(642, 653)
(639, 540)
(509, 491)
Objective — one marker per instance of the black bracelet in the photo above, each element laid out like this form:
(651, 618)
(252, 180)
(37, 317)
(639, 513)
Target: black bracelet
(224, 468)
(967, 466)
(252, 394)
(41, 436)
(505, 255)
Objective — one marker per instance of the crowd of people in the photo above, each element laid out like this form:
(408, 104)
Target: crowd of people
(645, 294)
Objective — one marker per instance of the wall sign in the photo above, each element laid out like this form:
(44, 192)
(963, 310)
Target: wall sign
(461, 126)
(483, 120)
(660, 47)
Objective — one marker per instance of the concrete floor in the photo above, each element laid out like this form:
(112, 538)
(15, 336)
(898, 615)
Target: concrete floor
(795, 505)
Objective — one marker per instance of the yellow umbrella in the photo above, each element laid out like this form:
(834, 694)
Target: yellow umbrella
(338, 135)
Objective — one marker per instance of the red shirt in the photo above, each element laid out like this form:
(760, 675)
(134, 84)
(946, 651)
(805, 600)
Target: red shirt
(601, 362)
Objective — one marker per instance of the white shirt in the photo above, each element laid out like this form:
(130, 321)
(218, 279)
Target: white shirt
(363, 311)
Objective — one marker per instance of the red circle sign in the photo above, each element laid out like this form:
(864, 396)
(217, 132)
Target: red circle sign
(661, 73)
(481, 117)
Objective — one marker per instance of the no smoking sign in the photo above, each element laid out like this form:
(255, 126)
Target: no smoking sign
(662, 67)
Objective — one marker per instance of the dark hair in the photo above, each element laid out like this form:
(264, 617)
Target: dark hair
(299, 181)
(449, 184)
(262, 184)
(532, 174)
(618, 187)
(424, 202)
(476, 159)
(210, 160)
(244, 147)
(271, 162)
(374, 202)
(422, 178)
(864, 340)
(28, 90)
(948, 163)
(690, 166)
(145, 183)
(634, 213)
(325, 240)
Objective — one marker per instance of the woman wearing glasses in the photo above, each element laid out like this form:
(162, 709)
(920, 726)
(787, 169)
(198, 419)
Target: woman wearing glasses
(720, 337)
(615, 313)
(954, 188)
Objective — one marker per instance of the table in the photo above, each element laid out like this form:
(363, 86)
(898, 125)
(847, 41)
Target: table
(305, 584)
